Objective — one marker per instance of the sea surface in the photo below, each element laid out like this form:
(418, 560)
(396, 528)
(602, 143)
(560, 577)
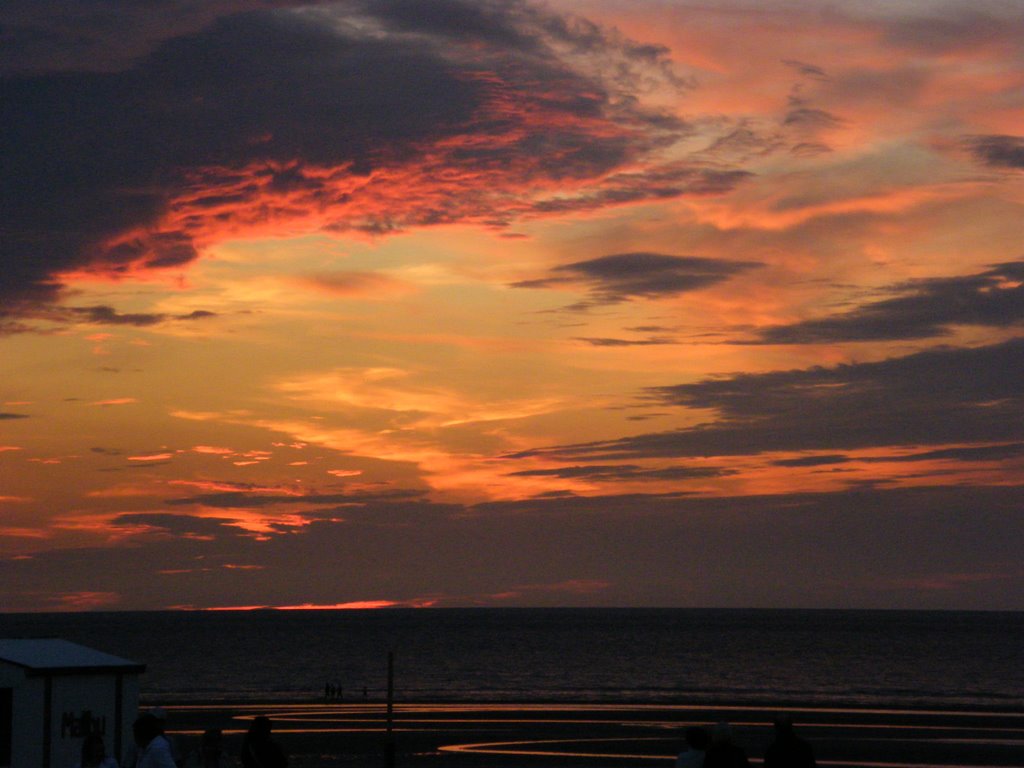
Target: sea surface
(919, 659)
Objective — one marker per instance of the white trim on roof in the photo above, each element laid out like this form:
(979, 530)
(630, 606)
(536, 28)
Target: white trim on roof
(52, 654)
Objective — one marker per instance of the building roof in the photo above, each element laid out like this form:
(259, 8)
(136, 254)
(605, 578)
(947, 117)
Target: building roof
(51, 656)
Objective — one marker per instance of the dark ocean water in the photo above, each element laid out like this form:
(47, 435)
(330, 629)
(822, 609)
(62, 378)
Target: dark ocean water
(842, 658)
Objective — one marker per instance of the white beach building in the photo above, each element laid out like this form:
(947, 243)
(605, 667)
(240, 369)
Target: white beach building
(54, 692)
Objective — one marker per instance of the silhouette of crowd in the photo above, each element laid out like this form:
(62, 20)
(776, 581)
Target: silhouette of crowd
(718, 749)
(152, 747)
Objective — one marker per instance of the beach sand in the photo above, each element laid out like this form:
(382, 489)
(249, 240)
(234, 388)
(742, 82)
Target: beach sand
(329, 734)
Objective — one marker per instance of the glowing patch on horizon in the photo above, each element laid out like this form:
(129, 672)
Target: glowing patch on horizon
(25, 533)
(82, 601)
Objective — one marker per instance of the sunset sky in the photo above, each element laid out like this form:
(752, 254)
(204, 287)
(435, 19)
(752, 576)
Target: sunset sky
(501, 303)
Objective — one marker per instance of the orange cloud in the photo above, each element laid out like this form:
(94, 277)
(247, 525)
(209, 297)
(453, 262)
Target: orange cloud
(344, 472)
(152, 457)
(25, 533)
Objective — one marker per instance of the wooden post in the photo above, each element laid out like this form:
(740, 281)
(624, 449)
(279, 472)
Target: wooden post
(389, 743)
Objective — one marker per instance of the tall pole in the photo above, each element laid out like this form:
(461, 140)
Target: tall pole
(389, 744)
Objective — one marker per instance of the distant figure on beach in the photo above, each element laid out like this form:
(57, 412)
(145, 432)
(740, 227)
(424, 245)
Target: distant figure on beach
(153, 750)
(94, 753)
(723, 753)
(259, 750)
(788, 750)
(696, 743)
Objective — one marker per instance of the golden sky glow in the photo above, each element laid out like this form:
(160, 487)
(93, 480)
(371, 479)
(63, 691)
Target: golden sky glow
(586, 303)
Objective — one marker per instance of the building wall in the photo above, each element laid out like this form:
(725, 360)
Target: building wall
(83, 703)
(27, 719)
(77, 704)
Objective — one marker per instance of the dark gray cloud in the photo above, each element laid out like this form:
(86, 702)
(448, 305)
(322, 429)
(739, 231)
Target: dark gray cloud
(235, 102)
(5, 416)
(974, 453)
(615, 472)
(638, 275)
(105, 315)
(93, 156)
(809, 70)
(813, 461)
(998, 151)
(922, 309)
(50, 36)
(934, 397)
(613, 342)
(967, 454)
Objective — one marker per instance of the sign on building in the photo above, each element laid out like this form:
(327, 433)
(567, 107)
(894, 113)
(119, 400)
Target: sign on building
(53, 693)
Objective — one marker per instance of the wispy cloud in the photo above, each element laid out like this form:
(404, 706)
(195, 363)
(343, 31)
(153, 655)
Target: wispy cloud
(998, 151)
(941, 396)
(640, 275)
(921, 309)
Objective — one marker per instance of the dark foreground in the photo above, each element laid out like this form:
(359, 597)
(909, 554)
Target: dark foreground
(333, 734)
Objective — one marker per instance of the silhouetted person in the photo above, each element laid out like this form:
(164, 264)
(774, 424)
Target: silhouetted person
(696, 743)
(153, 749)
(788, 750)
(259, 750)
(161, 718)
(723, 753)
(94, 753)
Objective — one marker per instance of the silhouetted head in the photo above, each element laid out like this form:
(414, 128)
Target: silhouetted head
(696, 737)
(260, 727)
(145, 729)
(93, 749)
(783, 725)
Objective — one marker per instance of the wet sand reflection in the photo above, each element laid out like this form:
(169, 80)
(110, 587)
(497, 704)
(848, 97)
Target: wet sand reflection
(460, 735)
